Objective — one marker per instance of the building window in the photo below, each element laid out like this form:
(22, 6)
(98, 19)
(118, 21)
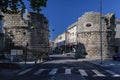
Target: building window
(88, 25)
(24, 33)
(60, 37)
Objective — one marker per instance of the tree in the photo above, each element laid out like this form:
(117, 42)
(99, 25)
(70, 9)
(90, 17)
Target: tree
(12, 6)
(37, 4)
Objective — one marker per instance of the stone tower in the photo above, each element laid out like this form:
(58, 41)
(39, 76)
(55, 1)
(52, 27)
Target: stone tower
(16, 29)
(33, 33)
(89, 34)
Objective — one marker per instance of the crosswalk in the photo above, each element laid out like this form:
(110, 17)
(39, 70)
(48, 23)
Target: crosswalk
(38, 72)
(113, 73)
(53, 71)
(25, 71)
(82, 72)
(98, 73)
(67, 71)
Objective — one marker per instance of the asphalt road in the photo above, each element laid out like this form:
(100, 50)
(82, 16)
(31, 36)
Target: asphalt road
(65, 68)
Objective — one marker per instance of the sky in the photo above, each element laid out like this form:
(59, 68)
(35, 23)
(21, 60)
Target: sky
(63, 13)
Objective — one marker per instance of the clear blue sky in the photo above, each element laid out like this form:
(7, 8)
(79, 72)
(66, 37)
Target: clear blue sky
(62, 13)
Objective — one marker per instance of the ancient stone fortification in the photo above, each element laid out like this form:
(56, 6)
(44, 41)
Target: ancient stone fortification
(89, 34)
(33, 32)
(16, 29)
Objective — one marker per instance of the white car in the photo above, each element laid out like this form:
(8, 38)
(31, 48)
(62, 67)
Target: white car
(71, 54)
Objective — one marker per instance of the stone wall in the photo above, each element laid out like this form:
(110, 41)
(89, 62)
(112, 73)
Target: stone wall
(39, 32)
(34, 32)
(16, 29)
(89, 34)
(14, 20)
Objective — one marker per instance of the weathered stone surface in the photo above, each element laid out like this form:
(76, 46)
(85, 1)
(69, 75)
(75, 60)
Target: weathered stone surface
(34, 32)
(14, 20)
(89, 34)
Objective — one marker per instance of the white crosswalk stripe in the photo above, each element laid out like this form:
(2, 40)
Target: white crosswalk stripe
(113, 73)
(67, 71)
(98, 73)
(25, 71)
(82, 72)
(53, 72)
(39, 71)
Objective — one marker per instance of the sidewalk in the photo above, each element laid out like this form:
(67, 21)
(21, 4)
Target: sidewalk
(28, 64)
(15, 65)
(8, 73)
(107, 63)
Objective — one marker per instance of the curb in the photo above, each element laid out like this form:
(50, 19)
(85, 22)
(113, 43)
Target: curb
(8, 65)
(97, 65)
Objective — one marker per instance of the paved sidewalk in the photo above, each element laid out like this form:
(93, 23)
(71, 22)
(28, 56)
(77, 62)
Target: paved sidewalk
(8, 73)
(28, 64)
(107, 63)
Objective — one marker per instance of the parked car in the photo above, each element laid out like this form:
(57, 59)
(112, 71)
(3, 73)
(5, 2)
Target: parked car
(116, 56)
(71, 54)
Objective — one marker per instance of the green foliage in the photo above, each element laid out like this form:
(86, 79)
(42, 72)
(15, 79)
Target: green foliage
(37, 4)
(12, 6)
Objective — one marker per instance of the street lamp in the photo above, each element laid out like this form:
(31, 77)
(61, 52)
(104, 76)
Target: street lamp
(101, 54)
(66, 40)
(26, 52)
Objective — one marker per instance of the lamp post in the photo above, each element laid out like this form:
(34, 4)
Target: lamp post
(101, 54)
(66, 40)
(26, 52)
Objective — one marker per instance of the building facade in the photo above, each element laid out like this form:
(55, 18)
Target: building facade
(30, 35)
(72, 34)
(117, 37)
(85, 33)
(71, 40)
(60, 42)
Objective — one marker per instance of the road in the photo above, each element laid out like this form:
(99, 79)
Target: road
(65, 68)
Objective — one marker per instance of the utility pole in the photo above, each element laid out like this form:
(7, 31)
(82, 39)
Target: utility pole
(26, 46)
(101, 54)
(66, 33)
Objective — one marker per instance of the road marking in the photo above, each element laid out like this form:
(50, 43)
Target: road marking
(113, 73)
(25, 71)
(39, 71)
(67, 71)
(53, 72)
(82, 72)
(98, 73)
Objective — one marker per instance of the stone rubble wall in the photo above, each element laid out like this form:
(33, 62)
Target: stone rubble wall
(89, 34)
(14, 20)
(35, 32)
(16, 29)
